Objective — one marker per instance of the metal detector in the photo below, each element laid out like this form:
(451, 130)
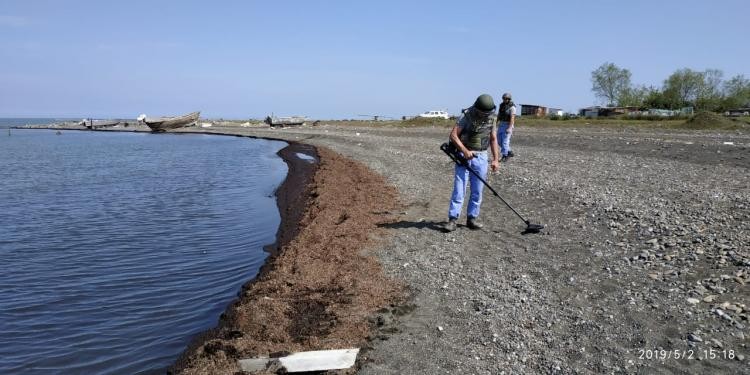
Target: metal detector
(453, 153)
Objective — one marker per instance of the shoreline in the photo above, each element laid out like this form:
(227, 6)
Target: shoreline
(291, 202)
(321, 289)
(316, 290)
(620, 259)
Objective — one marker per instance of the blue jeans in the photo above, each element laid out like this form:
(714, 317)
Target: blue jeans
(503, 138)
(462, 175)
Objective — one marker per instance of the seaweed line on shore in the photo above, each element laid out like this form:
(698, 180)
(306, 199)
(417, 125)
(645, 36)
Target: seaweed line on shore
(318, 290)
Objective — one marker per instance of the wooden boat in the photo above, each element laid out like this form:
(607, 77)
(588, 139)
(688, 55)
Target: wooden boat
(97, 124)
(285, 121)
(160, 124)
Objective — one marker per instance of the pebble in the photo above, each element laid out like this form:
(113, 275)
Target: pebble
(693, 301)
(694, 338)
(717, 343)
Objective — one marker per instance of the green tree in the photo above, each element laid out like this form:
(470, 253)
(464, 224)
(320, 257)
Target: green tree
(687, 87)
(609, 83)
(634, 96)
(682, 88)
(736, 92)
(710, 95)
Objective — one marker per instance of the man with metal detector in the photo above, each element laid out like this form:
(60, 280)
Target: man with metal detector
(473, 134)
(506, 115)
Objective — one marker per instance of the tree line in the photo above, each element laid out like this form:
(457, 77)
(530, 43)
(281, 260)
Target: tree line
(702, 90)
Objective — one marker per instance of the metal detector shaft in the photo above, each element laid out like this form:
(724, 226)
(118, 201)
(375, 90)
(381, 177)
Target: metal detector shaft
(494, 192)
(465, 163)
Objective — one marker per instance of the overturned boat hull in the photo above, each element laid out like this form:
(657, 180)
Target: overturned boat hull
(285, 121)
(162, 124)
(93, 125)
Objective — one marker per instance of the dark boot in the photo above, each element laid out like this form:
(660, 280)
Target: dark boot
(450, 226)
(471, 223)
(511, 154)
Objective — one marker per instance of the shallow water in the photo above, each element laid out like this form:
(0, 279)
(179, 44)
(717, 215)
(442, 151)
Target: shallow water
(117, 248)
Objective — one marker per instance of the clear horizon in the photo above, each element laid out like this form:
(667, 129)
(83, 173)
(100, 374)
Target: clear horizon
(336, 59)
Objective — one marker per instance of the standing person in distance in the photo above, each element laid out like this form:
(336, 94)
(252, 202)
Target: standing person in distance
(474, 133)
(506, 116)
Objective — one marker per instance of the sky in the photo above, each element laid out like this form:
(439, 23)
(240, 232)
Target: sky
(343, 59)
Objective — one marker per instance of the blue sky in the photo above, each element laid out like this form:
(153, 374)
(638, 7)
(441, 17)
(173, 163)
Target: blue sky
(340, 59)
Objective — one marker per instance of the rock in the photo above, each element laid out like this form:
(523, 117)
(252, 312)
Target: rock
(693, 301)
(740, 357)
(694, 338)
(710, 298)
(735, 308)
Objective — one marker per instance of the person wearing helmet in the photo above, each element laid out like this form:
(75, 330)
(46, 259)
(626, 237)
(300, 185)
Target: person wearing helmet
(474, 133)
(506, 116)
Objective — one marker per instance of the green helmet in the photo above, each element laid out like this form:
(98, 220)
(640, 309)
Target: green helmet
(485, 103)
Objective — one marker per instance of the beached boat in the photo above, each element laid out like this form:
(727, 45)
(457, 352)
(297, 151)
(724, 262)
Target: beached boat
(92, 124)
(161, 124)
(285, 121)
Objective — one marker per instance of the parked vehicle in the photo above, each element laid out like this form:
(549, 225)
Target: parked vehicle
(435, 114)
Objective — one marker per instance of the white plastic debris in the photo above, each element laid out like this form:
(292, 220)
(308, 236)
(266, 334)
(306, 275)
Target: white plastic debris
(318, 360)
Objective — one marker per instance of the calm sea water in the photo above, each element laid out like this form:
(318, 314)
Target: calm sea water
(117, 248)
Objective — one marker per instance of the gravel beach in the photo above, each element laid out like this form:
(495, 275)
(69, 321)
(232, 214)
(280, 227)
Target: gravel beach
(643, 267)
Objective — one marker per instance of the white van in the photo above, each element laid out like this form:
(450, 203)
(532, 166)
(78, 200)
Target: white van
(436, 114)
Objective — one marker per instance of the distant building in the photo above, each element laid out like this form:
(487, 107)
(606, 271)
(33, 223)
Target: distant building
(589, 112)
(555, 112)
(533, 110)
(598, 111)
(738, 112)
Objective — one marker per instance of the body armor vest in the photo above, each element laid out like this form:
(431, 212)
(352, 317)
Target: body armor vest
(503, 113)
(475, 134)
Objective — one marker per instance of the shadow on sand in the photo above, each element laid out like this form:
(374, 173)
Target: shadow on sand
(431, 225)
